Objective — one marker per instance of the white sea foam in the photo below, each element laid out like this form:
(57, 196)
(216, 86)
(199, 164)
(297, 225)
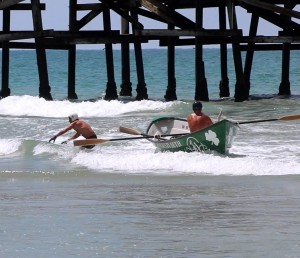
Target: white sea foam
(34, 106)
(9, 146)
(62, 151)
(139, 162)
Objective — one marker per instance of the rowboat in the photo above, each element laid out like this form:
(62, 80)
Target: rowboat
(216, 137)
(173, 134)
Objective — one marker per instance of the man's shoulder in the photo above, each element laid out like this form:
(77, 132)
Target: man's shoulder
(205, 116)
(78, 121)
(190, 116)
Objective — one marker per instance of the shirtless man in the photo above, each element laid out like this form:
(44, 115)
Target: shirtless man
(198, 120)
(81, 128)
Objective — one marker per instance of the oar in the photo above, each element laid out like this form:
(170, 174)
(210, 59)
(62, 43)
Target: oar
(283, 118)
(130, 131)
(99, 141)
(135, 132)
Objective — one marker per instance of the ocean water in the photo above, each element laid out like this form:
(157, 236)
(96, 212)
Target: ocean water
(124, 199)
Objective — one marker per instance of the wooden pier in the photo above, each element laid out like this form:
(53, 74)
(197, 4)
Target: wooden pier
(179, 30)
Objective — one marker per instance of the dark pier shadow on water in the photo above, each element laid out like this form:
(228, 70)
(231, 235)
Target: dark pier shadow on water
(260, 97)
(254, 97)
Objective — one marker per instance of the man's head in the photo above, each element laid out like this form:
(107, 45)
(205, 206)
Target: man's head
(197, 106)
(73, 117)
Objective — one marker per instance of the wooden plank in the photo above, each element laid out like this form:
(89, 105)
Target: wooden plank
(273, 8)
(269, 47)
(89, 7)
(168, 15)
(271, 39)
(57, 44)
(25, 7)
(150, 15)
(271, 17)
(192, 33)
(84, 34)
(103, 40)
(188, 4)
(17, 35)
(220, 40)
(123, 14)
(49, 44)
(7, 3)
(87, 18)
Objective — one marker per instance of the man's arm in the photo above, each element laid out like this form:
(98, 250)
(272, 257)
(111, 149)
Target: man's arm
(63, 131)
(76, 135)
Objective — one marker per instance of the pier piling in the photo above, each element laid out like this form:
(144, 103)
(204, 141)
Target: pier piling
(224, 82)
(5, 91)
(126, 86)
(180, 30)
(44, 89)
(72, 52)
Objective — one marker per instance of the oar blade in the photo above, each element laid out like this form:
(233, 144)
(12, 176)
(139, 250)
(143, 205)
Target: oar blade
(129, 130)
(89, 142)
(290, 117)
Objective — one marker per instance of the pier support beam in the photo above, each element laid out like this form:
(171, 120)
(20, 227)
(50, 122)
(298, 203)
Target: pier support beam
(141, 86)
(71, 72)
(201, 91)
(250, 52)
(126, 86)
(5, 90)
(111, 88)
(240, 86)
(171, 88)
(72, 52)
(44, 89)
(284, 88)
(224, 83)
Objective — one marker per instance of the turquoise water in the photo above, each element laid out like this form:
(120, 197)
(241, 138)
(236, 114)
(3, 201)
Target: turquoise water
(124, 199)
(91, 76)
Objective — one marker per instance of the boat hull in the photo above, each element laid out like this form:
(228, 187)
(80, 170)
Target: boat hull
(217, 137)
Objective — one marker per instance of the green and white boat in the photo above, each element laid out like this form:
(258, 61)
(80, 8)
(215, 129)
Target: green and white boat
(173, 134)
(217, 137)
